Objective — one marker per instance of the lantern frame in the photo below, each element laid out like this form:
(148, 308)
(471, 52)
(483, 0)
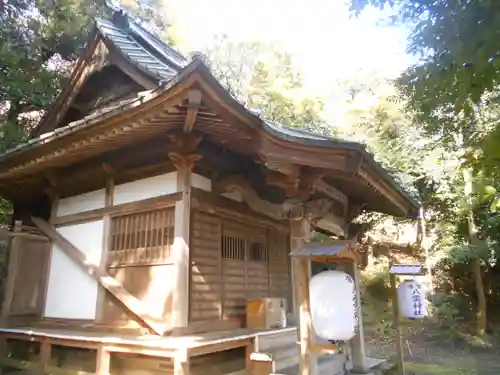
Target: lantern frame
(340, 251)
(396, 270)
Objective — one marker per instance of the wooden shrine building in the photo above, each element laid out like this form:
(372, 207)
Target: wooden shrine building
(150, 206)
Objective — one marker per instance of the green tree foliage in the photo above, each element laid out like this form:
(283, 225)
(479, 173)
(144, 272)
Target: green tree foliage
(452, 91)
(156, 16)
(35, 41)
(457, 42)
(264, 78)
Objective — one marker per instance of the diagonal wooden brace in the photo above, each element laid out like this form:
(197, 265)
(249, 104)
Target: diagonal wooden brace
(134, 306)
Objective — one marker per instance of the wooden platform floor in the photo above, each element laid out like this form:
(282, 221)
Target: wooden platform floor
(195, 344)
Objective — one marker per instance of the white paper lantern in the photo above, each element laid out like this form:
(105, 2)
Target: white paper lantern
(334, 311)
(411, 300)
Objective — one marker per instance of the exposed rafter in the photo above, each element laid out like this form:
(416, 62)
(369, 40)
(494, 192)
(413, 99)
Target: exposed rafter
(194, 102)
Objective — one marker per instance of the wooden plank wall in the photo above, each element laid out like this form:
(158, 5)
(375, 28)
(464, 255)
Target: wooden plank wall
(30, 264)
(206, 289)
(279, 265)
(139, 258)
(233, 261)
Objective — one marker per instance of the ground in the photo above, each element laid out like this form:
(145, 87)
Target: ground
(430, 351)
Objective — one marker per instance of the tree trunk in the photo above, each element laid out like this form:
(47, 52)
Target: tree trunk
(481, 318)
(424, 245)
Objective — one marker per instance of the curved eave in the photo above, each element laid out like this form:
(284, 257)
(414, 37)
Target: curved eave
(196, 73)
(294, 137)
(319, 141)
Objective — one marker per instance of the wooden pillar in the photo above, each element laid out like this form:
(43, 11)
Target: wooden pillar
(106, 242)
(300, 234)
(180, 246)
(103, 361)
(358, 341)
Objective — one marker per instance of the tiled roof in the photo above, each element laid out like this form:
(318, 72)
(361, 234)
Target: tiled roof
(143, 49)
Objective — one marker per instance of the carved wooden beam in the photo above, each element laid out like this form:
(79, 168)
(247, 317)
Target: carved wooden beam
(307, 184)
(288, 169)
(288, 210)
(194, 102)
(318, 208)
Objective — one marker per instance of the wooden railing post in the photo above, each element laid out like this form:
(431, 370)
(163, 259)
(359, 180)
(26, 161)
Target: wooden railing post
(103, 361)
(44, 356)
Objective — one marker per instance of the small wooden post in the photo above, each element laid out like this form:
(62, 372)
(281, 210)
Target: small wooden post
(397, 326)
(181, 363)
(4, 352)
(44, 357)
(103, 361)
(249, 349)
(358, 341)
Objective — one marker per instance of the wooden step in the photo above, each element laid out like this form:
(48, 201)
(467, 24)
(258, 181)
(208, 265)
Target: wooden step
(327, 365)
(265, 343)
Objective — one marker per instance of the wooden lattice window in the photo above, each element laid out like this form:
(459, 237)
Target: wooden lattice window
(233, 248)
(142, 238)
(257, 251)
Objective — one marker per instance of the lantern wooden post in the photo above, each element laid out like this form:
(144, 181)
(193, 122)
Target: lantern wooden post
(302, 254)
(397, 326)
(394, 271)
(358, 341)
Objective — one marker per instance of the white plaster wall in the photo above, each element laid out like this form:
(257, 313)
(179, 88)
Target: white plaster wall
(147, 188)
(80, 203)
(72, 292)
(201, 182)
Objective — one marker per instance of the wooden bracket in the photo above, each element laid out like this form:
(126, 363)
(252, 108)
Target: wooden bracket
(51, 178)
(108, 169)
(183, 162)
(194, 102)
(183, 154)
(52, 182)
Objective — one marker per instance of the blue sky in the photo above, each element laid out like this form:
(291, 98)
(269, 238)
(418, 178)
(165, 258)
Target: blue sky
(326, 43)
